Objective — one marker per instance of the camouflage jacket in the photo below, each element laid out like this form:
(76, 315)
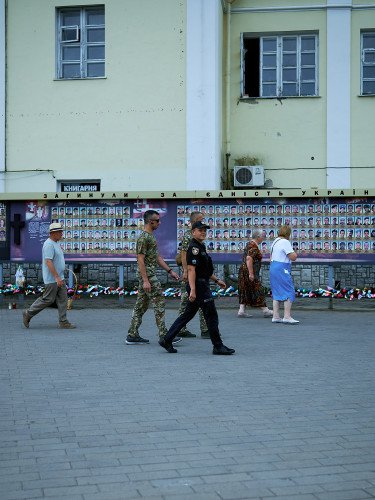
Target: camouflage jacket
(147, 246)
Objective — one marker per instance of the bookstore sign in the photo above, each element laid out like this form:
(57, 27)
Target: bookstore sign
(80, 187)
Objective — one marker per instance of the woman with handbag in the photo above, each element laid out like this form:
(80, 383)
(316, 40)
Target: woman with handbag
(250, 289)
(282, 256)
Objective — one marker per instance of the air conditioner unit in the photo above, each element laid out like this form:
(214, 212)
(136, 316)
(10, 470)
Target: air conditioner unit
(249, 176)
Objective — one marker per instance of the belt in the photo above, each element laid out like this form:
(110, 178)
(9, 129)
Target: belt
(203, 280)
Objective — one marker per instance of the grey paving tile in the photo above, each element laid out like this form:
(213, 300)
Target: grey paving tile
(18, 477)
(344, 495)
(22, 494)
(347, 485)
(296, 490)
(306, 496)
(70, 490)
(49, 483)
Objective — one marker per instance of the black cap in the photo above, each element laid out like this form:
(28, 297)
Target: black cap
(199, 225)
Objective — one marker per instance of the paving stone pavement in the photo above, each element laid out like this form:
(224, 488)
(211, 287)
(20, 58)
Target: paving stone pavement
(290, 416)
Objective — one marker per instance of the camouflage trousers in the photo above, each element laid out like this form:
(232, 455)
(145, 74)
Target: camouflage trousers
(141, 306)
(184, 301)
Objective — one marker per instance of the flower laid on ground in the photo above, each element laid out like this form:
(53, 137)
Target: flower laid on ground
(96, 290)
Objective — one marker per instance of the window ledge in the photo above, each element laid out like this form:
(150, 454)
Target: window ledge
(366, 95)
(245, 99)
(79, 79)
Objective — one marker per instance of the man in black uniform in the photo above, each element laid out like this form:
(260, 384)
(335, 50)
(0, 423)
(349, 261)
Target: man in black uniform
(200, 271)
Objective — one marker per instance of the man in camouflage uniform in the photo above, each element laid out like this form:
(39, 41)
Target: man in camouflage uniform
(194, 217)
(149, 287)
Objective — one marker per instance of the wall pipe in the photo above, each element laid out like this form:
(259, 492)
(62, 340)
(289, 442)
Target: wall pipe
(227, 95)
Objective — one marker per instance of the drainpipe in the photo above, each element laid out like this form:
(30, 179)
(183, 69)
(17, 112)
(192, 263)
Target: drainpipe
(227, 179)
(2, 94)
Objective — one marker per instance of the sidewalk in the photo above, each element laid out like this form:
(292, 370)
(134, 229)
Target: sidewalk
(289, 416)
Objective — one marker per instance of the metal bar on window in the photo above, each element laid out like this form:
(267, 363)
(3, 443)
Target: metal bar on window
(242, 66)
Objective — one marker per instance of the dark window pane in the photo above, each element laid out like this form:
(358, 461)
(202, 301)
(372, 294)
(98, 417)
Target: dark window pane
(308, 59)
(95, 52)
(70, 18)
(369, 87)
(307, 43)
(290, 75)
(307, 89)
(70, 53)
(95, 69)
(290, 60)
(369, 41)
(268, 90)
(308, 74)
(252, 67)
(269, 75)
(95, 17)
(290, 89)
(368, 71)
(269, 60)
(95, 35)
(71, 71)
(369, 57)
(69, 34)
(269, 44)
(289, 43)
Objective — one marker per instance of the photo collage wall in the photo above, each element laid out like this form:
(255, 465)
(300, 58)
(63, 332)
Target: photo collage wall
(316, 228)
(97, 229)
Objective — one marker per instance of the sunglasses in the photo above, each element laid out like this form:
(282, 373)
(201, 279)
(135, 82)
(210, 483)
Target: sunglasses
(155, 220)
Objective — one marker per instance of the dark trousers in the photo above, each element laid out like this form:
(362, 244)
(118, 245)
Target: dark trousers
(204, 301)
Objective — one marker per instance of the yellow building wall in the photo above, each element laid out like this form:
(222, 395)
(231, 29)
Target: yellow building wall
(127, 129)
(288, 135)
(362, 109)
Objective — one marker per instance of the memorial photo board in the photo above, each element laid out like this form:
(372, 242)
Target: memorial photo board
(322, 229)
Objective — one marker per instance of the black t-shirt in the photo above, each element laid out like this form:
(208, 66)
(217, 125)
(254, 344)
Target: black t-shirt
(197, 256)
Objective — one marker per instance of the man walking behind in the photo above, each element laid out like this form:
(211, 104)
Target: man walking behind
(149, 287)
(53, 267)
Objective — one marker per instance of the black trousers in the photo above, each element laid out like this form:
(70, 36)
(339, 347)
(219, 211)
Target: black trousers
(205, 301)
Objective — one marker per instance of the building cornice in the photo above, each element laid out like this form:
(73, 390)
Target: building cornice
(194, 195)
(291, 8)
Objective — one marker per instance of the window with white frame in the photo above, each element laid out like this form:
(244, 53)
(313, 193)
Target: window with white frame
(368, 63)
(279, 65)
(80, 42)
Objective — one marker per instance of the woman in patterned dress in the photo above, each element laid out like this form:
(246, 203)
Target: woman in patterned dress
(250, 289)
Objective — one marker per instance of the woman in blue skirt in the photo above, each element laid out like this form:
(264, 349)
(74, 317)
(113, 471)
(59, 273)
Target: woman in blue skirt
(282, 255)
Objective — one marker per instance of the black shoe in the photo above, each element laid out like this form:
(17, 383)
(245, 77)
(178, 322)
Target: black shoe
(229, 349)
(176, 340)
(222, 350)
(168, 347)
(135, 340)
(187, 334)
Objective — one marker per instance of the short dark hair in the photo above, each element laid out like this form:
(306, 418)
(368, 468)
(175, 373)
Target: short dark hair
(148, 214)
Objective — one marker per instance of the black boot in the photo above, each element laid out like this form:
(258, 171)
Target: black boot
(167, 346)
(222, 350)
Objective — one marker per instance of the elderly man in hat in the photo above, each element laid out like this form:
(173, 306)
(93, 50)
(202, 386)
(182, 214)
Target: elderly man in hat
(53, 266)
